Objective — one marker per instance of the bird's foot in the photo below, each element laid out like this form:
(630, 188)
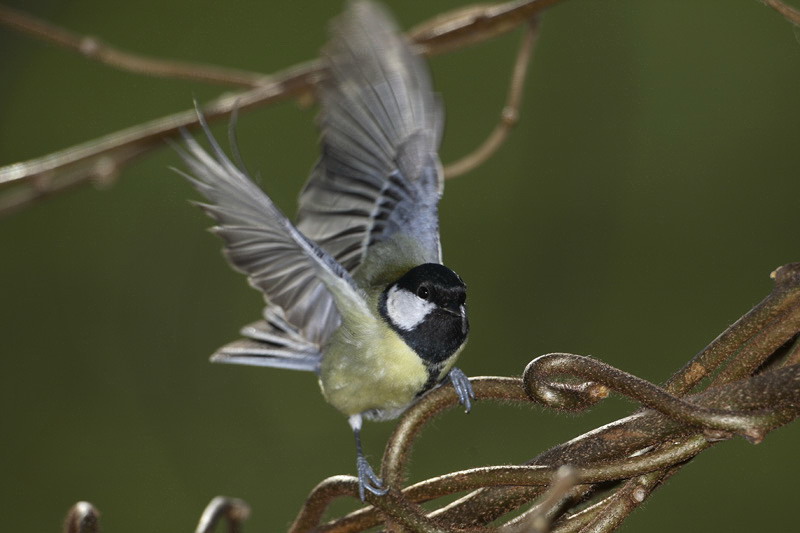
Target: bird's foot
(367, 480)
(463, 388)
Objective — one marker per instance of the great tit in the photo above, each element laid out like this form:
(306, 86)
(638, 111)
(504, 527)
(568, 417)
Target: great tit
(356, 291)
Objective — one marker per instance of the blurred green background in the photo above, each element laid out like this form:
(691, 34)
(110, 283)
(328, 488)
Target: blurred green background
(636, 211)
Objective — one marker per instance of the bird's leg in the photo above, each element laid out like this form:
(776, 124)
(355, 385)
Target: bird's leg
(367, 480)
(463, 387)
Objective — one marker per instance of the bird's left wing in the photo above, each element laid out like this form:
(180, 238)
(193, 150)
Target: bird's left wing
(295, 274)
(378, 182)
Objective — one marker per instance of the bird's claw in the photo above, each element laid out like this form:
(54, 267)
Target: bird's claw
(367, 480)
(463, 388)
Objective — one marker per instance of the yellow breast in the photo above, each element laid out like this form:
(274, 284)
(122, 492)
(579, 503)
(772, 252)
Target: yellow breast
(371, 369)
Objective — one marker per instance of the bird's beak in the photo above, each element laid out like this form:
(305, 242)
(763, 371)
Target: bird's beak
(460, 312)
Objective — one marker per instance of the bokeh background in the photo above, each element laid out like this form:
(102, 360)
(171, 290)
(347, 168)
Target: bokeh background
(636, 211)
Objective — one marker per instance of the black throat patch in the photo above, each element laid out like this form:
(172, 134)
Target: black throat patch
(444, 329)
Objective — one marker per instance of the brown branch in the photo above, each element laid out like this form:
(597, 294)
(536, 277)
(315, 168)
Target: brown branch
(538, 519)
(94, 48)
(644, 448)
(789, 13)
(233, 510)
(104, 158)
(604, 454)
(82, 518)
(645, 428)
(784, 295)
(509, 116)
(631, 495)
(542, 388)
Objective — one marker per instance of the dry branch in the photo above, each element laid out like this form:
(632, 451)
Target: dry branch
(640, 450)
(644, 447)
(103, 159)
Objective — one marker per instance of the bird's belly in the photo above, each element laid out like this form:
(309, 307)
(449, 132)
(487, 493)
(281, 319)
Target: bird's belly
(380, 378)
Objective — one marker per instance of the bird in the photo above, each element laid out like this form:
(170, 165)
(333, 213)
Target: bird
(355, 290)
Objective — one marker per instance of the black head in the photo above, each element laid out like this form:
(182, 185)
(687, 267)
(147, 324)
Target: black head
(427, 308)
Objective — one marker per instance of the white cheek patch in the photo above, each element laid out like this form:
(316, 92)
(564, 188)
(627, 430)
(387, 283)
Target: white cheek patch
(405, 309)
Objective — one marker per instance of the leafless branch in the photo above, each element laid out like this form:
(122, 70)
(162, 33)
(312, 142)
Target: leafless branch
(643, 448)
(233, 510)
(101, 160)
(94, 48)
(789, 13)
(639, 451)
(510, 113)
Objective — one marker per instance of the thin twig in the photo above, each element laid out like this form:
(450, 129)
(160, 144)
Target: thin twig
(233, 510)
(94, 48)
(789, 13)
(104, 158)
(509, 116)
(59, 171)
(538, 518)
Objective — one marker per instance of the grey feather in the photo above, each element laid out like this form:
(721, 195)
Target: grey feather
(255, 353)
(272, 342)
(261, 242)
(376, 185)
(379, 174)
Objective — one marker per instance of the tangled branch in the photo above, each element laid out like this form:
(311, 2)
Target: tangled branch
(754, 388)
(653, 442)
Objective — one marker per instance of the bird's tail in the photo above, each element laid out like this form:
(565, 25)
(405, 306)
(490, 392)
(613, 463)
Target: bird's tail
(271, 342)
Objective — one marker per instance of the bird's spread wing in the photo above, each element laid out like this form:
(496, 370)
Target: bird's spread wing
(293, 272)
(379, 177)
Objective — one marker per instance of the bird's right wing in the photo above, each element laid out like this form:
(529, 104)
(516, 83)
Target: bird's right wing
(311, 288)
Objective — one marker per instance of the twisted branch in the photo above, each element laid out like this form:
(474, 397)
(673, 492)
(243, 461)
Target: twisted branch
(233, 510)
(751, 406)
(641, 450)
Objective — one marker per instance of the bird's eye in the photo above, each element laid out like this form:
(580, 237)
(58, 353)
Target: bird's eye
(423, 292)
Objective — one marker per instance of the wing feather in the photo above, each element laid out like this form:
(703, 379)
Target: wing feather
(379, 177)
(294, 273)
